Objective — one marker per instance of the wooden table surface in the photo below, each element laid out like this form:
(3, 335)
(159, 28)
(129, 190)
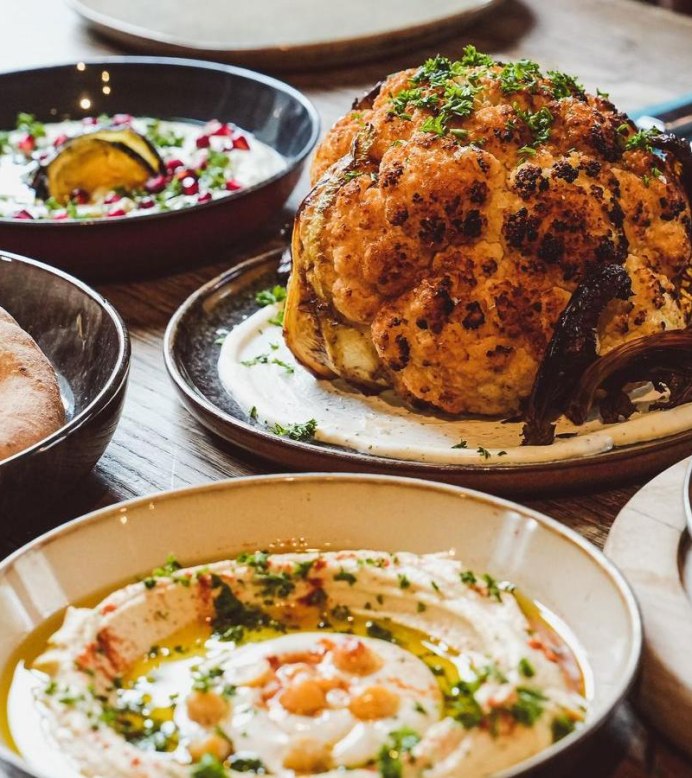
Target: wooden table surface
(637, 53)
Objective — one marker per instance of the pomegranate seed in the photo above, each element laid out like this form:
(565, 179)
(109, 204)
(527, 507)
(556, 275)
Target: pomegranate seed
(90, 120)
(79, 196)
(59, 216)
(203, 142)
(205, 197)
(122, 118)
(27, 144)
(240, 142)
(23, 214)
(112, 198)
(146, 202)
(155, 184)
(190, 185)
(232, 185)
(174, 164)
(183, 172)
(60, 140)
(220, 130)
(117, 212)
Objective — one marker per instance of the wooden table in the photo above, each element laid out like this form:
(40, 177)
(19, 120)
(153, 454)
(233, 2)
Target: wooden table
(637, 53)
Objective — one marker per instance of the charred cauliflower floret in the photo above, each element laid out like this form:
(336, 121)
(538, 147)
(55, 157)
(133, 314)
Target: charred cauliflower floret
(455, 210)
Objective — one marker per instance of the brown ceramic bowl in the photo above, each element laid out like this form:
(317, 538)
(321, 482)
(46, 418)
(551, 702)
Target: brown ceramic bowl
(86, 341)
(163, 88)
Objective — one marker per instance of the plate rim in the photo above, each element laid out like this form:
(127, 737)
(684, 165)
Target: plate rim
(596, 556)
(193, 398)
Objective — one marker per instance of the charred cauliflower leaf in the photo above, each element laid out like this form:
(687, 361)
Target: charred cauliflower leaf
(455, 210)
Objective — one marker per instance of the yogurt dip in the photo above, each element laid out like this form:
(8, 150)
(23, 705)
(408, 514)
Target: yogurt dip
(202, 163)
(261, 374)
(310, 663)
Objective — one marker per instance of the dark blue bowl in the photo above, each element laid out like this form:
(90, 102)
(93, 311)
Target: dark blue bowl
(164, 88)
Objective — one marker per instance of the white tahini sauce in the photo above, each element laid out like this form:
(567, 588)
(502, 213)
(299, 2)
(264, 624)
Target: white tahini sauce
(381, 425)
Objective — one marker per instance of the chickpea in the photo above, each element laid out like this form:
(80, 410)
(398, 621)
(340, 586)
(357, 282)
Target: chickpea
(353, 656)
(215, 745)
(306, 755)
(376, 702)
(206, 708)
(306, 698)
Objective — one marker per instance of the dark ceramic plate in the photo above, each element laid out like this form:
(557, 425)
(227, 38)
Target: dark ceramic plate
(167, 89)
(191, 351)
(86, 341)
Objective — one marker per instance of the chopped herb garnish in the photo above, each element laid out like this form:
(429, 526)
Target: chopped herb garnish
(208, 767)
(259, 559)
(404, 582)
(245, 765)
(493, 588)
(561, 726)
(529, 706)
(526, 668)
(302, 432)
(375, 630)
(461, 444)
(162, 137)
(276, 294)
(401, 741)
(203, 680)
(253, 413)
(341, 612)
(468, 577)
(344, 575)
(26, 122)
(642, 140)
(483, 452)
(302, 569)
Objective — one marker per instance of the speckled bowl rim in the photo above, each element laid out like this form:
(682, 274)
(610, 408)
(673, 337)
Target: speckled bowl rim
(118, 375)
(193, 64)
(595, 556)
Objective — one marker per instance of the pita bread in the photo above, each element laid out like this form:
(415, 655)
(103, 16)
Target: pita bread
(30, 404)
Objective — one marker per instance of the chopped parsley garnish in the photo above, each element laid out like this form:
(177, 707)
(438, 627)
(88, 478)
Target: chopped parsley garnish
(401, 742)
(375, 630)
(302, 432)
(277, 294)
(461, 444)
(244, 765)
(539, 123)
(404, 582)
(526, 668)
(163, 138)
(483, 452)
(253, 413)
(166, 570)
(468, 577)
(529, 706)
(523, 74)
(203, 680)
(208, 767)
(230, 612)
(493, 587)
(344, 575)
(26, 122)
(642, 140)
(561, 726)
(302, 569)
(564, 85)
(259, 559)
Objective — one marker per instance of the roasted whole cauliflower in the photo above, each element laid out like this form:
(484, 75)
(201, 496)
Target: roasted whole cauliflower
(455, 210)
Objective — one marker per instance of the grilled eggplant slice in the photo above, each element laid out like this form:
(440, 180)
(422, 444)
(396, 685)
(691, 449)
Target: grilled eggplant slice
(100, 161)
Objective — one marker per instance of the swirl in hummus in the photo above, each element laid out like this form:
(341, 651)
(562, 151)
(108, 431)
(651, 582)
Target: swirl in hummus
(306, 663)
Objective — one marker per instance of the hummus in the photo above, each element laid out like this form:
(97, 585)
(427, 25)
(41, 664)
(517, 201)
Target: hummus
(309, 663)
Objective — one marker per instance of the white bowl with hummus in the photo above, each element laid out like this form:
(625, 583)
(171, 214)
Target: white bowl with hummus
(307, 625)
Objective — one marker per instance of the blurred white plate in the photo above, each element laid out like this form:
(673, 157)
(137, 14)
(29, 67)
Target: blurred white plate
(278, 33)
